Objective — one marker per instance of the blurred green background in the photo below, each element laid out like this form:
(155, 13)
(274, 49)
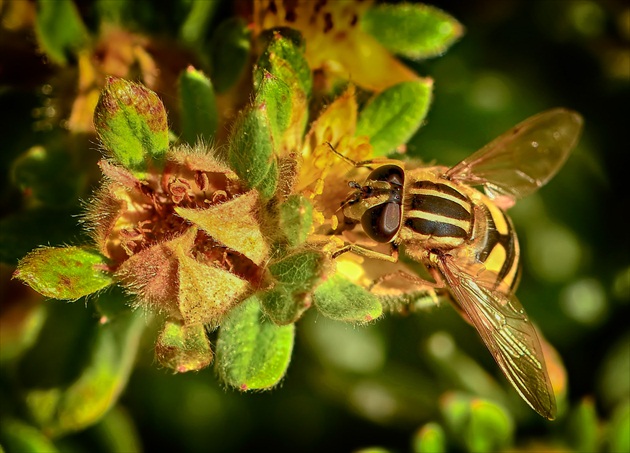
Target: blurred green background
(351, 387)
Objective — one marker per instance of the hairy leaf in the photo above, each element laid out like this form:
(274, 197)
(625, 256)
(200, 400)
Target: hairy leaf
(340, 299)
(131, 123)
(198, 105)
(394, 115)
(253, 352)
(413, 30)
(64, 273)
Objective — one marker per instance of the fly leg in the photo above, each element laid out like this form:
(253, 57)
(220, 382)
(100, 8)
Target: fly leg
(421, 295)
(368, 253)
(420, 282)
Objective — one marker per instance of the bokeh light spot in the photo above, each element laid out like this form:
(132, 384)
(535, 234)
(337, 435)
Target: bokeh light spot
(358, 350)
(621, 285)
(587, 18)
(490, 92)
(441, 345)
(584, 301)
(554, 252)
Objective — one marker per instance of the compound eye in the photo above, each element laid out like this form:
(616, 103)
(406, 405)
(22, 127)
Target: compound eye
(382, 222)
(392, 174)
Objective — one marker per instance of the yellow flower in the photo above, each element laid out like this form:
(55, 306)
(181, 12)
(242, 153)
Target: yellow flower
(336, 46)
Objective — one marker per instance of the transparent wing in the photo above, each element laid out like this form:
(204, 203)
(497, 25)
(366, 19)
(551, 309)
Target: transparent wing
(507, 333)
(524, 158)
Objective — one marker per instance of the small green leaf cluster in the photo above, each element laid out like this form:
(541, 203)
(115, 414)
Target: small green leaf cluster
(473, 424)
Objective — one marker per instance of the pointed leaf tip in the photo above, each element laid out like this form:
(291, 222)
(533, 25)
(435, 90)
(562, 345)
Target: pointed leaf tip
(131, 123)
(66, 273)
(394, 115)
(200, 116)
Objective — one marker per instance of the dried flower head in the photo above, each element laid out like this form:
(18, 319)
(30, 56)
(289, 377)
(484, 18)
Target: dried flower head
(185, 240)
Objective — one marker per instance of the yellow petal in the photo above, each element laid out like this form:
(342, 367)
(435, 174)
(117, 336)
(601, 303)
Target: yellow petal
(336, 45)
(366, 63)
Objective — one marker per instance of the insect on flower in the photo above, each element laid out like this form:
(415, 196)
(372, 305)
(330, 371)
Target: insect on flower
(465, 239)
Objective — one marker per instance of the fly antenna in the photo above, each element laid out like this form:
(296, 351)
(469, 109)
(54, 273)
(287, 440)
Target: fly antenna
(354, 163)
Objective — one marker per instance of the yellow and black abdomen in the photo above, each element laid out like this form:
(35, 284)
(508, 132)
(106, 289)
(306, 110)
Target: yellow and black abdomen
(459, 220)
(493, 246)
(437, 215)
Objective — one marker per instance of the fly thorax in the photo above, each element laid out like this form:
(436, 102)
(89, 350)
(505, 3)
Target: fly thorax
(437, 214)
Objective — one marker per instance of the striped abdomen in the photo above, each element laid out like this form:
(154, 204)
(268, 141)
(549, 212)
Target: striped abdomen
(497, 248)
(438, 214)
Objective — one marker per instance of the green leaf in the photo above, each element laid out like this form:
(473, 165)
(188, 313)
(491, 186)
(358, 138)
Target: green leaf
(253, 352)
(295, 277)
(251, 152)
(198, 105)
(47, 175)
(66, 337)
(197, 22)
(116, 433)
(118, 12)
(619, 432)
(414, 30)
(131, 123)
(60, 30)
(274, 97)
(456, 411)
(584, 427)
(64, 273)
(183, 347)
(22, 231)
(17, 436)
(394, 115)
(230, 53)
(268, 186)
(342, 300)
(104, 374)
(300, 270)
(430, 439)
(284, 58)
(283, 304)
(481, 425)
(490, 429)
(296, 219)
(283, 81)
(23, 316)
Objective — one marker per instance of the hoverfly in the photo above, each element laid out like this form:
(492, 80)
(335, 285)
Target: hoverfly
(465, 239)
